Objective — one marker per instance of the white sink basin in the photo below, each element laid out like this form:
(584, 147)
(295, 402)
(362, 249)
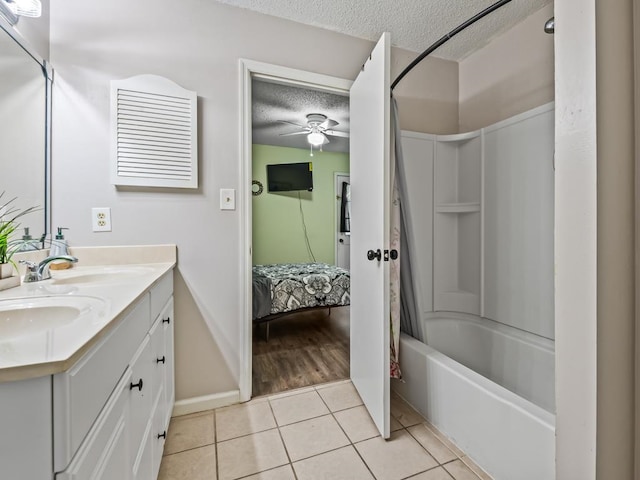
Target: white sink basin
(101, 275)
(20, 317)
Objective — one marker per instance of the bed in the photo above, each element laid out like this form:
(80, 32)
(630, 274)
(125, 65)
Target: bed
(281, 289)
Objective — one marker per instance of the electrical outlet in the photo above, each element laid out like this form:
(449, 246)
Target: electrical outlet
(101, 219)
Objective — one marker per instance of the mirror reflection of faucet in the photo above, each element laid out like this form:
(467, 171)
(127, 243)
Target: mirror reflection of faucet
(37, 272)
(59, 248)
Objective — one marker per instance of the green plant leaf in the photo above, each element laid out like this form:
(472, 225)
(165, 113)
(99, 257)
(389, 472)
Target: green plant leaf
(9, 215)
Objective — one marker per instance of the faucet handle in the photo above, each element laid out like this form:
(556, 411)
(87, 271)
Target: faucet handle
(31, 266)
(32, 271)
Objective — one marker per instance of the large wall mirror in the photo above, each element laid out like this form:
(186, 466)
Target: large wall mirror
(24, 131)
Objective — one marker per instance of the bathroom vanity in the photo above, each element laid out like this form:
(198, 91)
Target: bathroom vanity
(86, 375)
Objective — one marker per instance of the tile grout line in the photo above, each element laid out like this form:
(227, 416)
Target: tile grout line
(284, 445)
(438, 436)
(353, 445)
(438, 464)
(187, 450)
(215, 441)
(406, 429)
(426, 449)
(477, 477)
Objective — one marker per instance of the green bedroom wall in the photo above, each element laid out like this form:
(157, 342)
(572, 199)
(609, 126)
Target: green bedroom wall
(278, 235)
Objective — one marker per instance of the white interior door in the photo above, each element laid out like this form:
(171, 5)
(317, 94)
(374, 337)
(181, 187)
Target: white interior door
(369, 158)
(343, 239)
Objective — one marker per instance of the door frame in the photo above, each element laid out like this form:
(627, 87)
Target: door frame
(336, 222)
(276, 74)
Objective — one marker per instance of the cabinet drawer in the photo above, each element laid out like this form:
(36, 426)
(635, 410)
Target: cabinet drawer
(160, 293)
(159, 437)
(104, 454)
(169, 379)
(80, 393)
(159, 356)
(143, 465)
(162, 343)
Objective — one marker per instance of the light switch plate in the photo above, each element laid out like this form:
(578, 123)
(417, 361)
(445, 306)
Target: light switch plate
(227, 199)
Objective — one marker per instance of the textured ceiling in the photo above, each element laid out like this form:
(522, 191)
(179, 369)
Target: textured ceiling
(272, 102)
(413, 24)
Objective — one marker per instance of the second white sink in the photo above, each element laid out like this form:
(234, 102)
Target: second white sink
(21, 317)
(103, 275)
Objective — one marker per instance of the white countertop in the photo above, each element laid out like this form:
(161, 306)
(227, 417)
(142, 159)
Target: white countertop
(117, 287)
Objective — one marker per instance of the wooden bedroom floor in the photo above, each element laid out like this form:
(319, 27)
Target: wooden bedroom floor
(303, 349)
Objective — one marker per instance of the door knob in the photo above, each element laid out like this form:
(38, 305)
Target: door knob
(371, 255)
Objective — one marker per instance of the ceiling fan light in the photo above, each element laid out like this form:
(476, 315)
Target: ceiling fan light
(315, 138)
(25, 8)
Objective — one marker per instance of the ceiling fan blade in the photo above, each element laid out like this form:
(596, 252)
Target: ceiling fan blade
(328, 123)
(291, 123)
(336, 133)
(294, 133)
(326, 140)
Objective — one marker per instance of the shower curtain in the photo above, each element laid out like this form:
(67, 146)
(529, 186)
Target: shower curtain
(404, 309)
(394, 271)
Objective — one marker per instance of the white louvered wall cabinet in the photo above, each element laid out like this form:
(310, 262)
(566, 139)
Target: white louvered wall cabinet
(153, 133)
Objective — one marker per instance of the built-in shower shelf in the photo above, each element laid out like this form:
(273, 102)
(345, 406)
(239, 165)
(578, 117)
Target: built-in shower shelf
(457, 222)
(458, 207)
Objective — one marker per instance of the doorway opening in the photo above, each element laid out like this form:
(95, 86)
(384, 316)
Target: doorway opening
(304, 346)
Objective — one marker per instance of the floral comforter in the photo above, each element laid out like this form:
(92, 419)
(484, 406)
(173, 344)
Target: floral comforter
(291, 286)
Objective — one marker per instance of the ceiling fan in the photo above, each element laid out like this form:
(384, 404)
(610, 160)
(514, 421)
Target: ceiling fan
(317, 129)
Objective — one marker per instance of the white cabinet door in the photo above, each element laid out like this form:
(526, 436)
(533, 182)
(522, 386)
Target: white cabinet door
(140, 396)
(80, 393)
(370, 192)
(104, 454)
(26, 429)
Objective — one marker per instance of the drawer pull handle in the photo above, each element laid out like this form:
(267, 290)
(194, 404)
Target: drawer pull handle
(160, 360)
(166, 320)
(136, 385)
(162, 435)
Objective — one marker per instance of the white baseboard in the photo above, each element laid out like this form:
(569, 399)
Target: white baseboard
(206, 402)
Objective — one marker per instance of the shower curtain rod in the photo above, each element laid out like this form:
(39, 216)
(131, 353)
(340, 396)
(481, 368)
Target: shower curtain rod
(448, 37)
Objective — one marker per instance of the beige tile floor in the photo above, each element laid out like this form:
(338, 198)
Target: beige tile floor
(315, 433)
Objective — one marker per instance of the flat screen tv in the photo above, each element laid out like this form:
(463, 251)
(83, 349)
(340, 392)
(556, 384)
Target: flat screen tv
(287, 177)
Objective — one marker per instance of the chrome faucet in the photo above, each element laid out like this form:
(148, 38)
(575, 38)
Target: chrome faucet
(40, 271)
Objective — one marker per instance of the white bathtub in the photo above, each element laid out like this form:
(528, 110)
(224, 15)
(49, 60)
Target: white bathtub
(508, 435)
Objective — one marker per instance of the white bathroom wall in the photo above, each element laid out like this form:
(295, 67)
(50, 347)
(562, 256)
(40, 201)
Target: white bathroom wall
(511, 74)
(197, 44)
(518, 222)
